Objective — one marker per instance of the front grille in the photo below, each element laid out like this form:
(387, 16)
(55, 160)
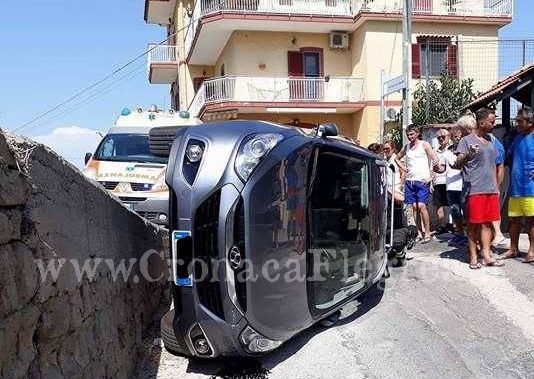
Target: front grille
(239, 242)
(205, 247)
(141, 186)
(126, 198)
(109, 185)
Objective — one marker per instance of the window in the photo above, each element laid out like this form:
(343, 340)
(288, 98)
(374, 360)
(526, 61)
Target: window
(305, 71)
(433, 59)
(339, 231)
(431, 56)
(127, 148)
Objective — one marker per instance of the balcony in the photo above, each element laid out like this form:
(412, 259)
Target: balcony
(473, 8)
(213, 21)
(280, 95)
(162, 64)
(159, 11)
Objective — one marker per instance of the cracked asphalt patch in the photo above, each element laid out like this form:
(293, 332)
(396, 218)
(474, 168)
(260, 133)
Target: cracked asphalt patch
(435, 319)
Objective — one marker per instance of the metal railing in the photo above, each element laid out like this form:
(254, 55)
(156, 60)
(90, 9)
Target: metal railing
(353, 7)
(307, 7)
(483, 8)
(162, 54)
(279, 90)
(484, 61)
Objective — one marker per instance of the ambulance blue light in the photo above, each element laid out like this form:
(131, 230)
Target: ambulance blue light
(125, 112)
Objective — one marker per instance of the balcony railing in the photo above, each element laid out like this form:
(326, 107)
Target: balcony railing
(482, 8)
(277, 90)
(162, 54)
(353, 7)
(307, 7)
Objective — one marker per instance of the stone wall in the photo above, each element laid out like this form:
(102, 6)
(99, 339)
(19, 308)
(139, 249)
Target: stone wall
(75, 325)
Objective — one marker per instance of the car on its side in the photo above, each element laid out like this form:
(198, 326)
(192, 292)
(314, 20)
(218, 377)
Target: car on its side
(272, 230)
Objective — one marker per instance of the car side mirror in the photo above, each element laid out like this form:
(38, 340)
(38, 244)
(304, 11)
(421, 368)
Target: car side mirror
(87, 157)
(328, 129)
(161, 139)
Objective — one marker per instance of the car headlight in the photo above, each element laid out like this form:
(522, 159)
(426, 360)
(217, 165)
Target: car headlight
(160, 185)
(252, 150)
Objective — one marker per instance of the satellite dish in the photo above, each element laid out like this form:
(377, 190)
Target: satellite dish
(391, 113)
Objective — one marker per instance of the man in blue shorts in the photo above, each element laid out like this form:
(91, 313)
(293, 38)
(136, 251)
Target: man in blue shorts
(419, 158)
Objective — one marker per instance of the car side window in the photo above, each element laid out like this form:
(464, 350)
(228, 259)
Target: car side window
(339, 228)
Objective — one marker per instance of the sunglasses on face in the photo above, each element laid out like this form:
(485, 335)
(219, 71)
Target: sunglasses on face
(441, 137)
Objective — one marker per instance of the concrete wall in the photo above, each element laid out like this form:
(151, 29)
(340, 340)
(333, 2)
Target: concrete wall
(71, 327)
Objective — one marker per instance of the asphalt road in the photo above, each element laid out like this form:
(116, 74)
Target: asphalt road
(436, 318)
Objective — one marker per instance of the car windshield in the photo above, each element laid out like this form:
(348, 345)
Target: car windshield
(127, 148)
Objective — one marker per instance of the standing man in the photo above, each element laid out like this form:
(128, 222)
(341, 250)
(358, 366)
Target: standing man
(419, 158)
(439, 195)
(476, 155)
(521, 203)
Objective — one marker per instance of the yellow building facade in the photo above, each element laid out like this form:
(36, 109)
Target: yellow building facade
(302, 62)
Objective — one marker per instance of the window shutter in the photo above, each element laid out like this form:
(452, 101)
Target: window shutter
(452, 60)
(416, 61)
(295, 66)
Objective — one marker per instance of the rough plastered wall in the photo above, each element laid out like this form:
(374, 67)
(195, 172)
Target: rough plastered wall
(70, 327)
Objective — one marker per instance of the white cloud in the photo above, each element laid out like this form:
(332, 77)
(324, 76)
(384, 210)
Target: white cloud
(71, 143)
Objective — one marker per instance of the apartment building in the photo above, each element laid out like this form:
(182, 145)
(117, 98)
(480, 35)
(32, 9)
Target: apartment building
(301, 62)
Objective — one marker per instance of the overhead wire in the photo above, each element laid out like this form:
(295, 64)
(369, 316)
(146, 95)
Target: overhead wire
(96, 95)
(100, 81)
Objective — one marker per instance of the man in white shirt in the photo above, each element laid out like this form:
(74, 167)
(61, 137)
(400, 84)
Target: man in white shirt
(419, 158)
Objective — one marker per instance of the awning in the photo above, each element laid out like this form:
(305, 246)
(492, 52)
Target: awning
(518, 85)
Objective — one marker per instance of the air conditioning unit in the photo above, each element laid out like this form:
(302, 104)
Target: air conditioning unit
(339, 40)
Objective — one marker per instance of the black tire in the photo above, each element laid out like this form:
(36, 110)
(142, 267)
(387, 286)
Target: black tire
(167, 334)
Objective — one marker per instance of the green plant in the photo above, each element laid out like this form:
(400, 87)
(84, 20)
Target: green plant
(441, 101)
(393, 131)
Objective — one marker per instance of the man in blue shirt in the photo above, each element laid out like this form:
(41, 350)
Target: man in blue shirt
(521, 204)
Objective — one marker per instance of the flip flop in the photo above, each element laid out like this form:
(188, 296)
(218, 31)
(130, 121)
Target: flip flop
(528, 260)
(495, 263)
(475, 266)
(504, 256)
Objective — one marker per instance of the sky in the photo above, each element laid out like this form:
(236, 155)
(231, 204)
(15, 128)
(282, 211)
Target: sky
(49, 50)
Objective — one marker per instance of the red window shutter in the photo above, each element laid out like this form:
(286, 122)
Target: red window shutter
(416, 61)
(452, 60)
(295, 65)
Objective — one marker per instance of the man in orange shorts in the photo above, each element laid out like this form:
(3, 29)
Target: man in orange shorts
(521, 204)
(476, 156)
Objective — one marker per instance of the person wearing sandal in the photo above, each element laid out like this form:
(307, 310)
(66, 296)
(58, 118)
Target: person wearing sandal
(476, 156)
(521, 203)
(419, 158)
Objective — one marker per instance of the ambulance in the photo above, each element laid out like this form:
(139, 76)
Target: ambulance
(124, 165)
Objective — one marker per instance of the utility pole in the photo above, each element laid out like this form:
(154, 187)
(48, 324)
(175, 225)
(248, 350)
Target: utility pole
(406, 65)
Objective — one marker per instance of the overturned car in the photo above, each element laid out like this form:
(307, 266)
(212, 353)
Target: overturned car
(272, 230)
